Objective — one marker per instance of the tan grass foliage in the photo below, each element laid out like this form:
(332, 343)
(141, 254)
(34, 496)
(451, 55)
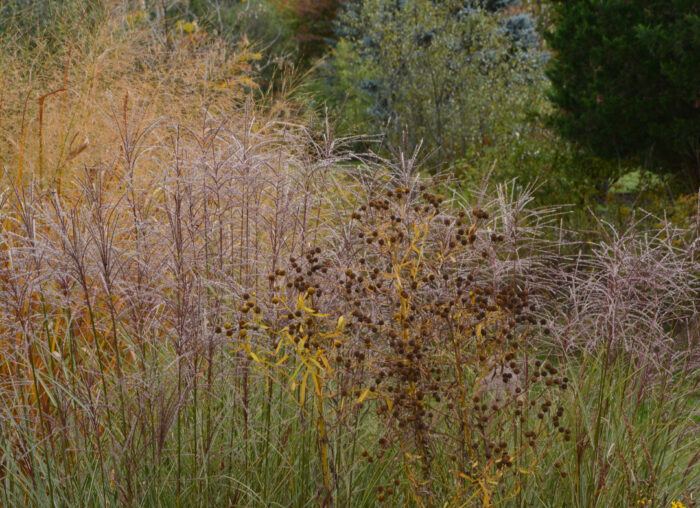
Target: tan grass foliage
(55, 109)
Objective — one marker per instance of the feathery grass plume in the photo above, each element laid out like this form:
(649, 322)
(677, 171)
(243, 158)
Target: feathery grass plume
(634, 292)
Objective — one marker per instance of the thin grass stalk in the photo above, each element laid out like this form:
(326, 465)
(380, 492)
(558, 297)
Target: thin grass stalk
(44, 434)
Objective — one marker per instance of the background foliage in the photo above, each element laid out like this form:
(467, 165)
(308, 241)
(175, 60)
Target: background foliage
(440, 68)
(625, 78)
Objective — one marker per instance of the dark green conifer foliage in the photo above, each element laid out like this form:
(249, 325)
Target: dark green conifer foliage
(626, 78)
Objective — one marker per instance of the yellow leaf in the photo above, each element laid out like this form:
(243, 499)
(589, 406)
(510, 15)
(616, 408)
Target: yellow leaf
(325, 362)
(296, 371)
(315, 363)
(301, 304)
(363, 396)
(302, 395)
(317, 385)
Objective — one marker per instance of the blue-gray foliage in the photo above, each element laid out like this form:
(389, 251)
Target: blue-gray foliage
(519, 27)
(453, 71)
